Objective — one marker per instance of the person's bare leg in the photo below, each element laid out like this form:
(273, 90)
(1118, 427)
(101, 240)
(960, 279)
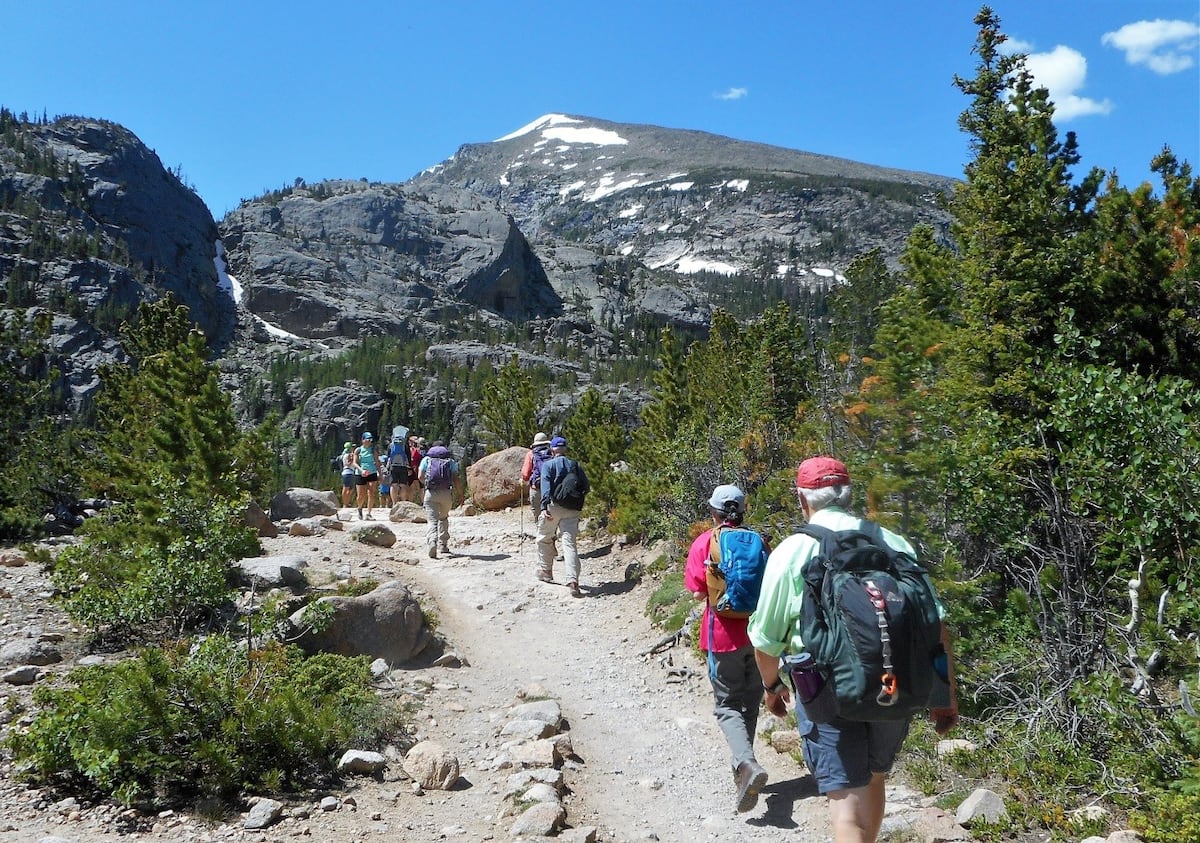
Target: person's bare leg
(857, 812)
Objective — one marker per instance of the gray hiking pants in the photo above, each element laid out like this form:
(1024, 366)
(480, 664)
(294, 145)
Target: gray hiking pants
(737, 689)
(555, 520)
(437, 514)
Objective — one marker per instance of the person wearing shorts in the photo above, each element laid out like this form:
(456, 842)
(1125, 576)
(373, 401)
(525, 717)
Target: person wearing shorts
(850, 760)
(349, 477)
(367, 460)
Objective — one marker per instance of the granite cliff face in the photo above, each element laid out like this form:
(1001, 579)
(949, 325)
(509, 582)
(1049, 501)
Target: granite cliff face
(91, 224)
(571, 227)
(343, 259)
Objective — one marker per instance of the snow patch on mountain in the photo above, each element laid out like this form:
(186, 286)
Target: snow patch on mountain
(691, 265)
(544, 120)
(565, 129)
(226, 283)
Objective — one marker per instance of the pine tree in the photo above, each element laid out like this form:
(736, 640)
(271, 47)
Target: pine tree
(597, 441)
(508, 409)
(164, 415)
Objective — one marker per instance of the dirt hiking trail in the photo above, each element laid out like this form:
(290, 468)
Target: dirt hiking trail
(650, 761)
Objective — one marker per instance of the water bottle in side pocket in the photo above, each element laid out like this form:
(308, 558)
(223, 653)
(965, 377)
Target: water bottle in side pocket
(813, 693)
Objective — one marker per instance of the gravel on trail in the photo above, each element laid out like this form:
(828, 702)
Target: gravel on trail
(650, 762)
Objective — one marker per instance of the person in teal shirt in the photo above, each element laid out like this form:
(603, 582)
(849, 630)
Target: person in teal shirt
(366, 459)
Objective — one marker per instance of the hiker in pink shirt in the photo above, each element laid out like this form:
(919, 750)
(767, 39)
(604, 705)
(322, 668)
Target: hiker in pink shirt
(732, 670)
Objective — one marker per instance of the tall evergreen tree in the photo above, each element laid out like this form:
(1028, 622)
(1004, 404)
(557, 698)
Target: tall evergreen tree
(38, 458)
(597, 441)
(508, 409)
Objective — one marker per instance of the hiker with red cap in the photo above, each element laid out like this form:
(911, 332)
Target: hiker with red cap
(849, 757)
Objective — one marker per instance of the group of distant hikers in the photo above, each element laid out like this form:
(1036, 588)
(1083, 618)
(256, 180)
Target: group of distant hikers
(406, 471)
(839, 619)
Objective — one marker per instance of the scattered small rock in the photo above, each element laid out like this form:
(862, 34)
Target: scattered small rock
(263, 813)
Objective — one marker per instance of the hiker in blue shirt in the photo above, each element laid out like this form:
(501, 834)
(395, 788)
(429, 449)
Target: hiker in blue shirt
(366, 459)
(564, 487)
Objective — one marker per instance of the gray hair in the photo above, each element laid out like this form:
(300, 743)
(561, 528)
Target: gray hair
(818, 499)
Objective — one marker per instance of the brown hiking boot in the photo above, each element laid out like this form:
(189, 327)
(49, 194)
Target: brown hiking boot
(750, 778)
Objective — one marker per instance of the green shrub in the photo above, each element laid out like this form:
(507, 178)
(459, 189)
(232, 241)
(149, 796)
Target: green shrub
(129, 574)
(1170, 818)
(192, 724)
(670, 603)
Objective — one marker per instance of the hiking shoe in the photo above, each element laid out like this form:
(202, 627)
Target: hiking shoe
(750, 778)
(433, 551)
(370, 517)
(575, 592)
(446, 549)
(360, 518)
(544, 577)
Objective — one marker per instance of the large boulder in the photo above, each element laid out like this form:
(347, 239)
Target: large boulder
(303, 503)
(494, 482)
(254, 516)
(386, 623)
(264, 572)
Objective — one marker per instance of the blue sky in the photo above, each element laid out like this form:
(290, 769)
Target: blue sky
(249, 95)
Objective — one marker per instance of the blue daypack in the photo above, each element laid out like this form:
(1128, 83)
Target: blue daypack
(737, 557)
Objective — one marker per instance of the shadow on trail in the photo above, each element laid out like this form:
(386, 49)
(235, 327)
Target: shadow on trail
(781, 800)
(482, 557)
(608, 589)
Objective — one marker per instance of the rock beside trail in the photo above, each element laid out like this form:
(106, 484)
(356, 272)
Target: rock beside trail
(386, 623)
(494, 481)
(29, 652)
(302, 503)
(373, 533)
(272, 571)
(432, 766)
(254, 516)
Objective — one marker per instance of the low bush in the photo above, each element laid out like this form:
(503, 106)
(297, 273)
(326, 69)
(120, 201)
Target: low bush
(670, 603)
(194, 723)
(130, 574)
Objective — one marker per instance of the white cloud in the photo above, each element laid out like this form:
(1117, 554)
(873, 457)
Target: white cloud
(733, 94)
(1164, 46)
(1063, 72)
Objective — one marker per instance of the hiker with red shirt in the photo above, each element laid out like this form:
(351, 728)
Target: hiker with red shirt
(732, 670)
(531, 471)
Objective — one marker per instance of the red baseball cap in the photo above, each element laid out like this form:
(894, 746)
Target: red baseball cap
(819, 472)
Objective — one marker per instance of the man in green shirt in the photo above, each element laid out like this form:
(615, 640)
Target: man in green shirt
(850, 760)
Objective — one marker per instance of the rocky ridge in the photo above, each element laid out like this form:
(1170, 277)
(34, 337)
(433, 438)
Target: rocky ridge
(91, 224)
(571, 229)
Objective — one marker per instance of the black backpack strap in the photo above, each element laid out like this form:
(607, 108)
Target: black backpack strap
(816, 531)
(814, 573)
